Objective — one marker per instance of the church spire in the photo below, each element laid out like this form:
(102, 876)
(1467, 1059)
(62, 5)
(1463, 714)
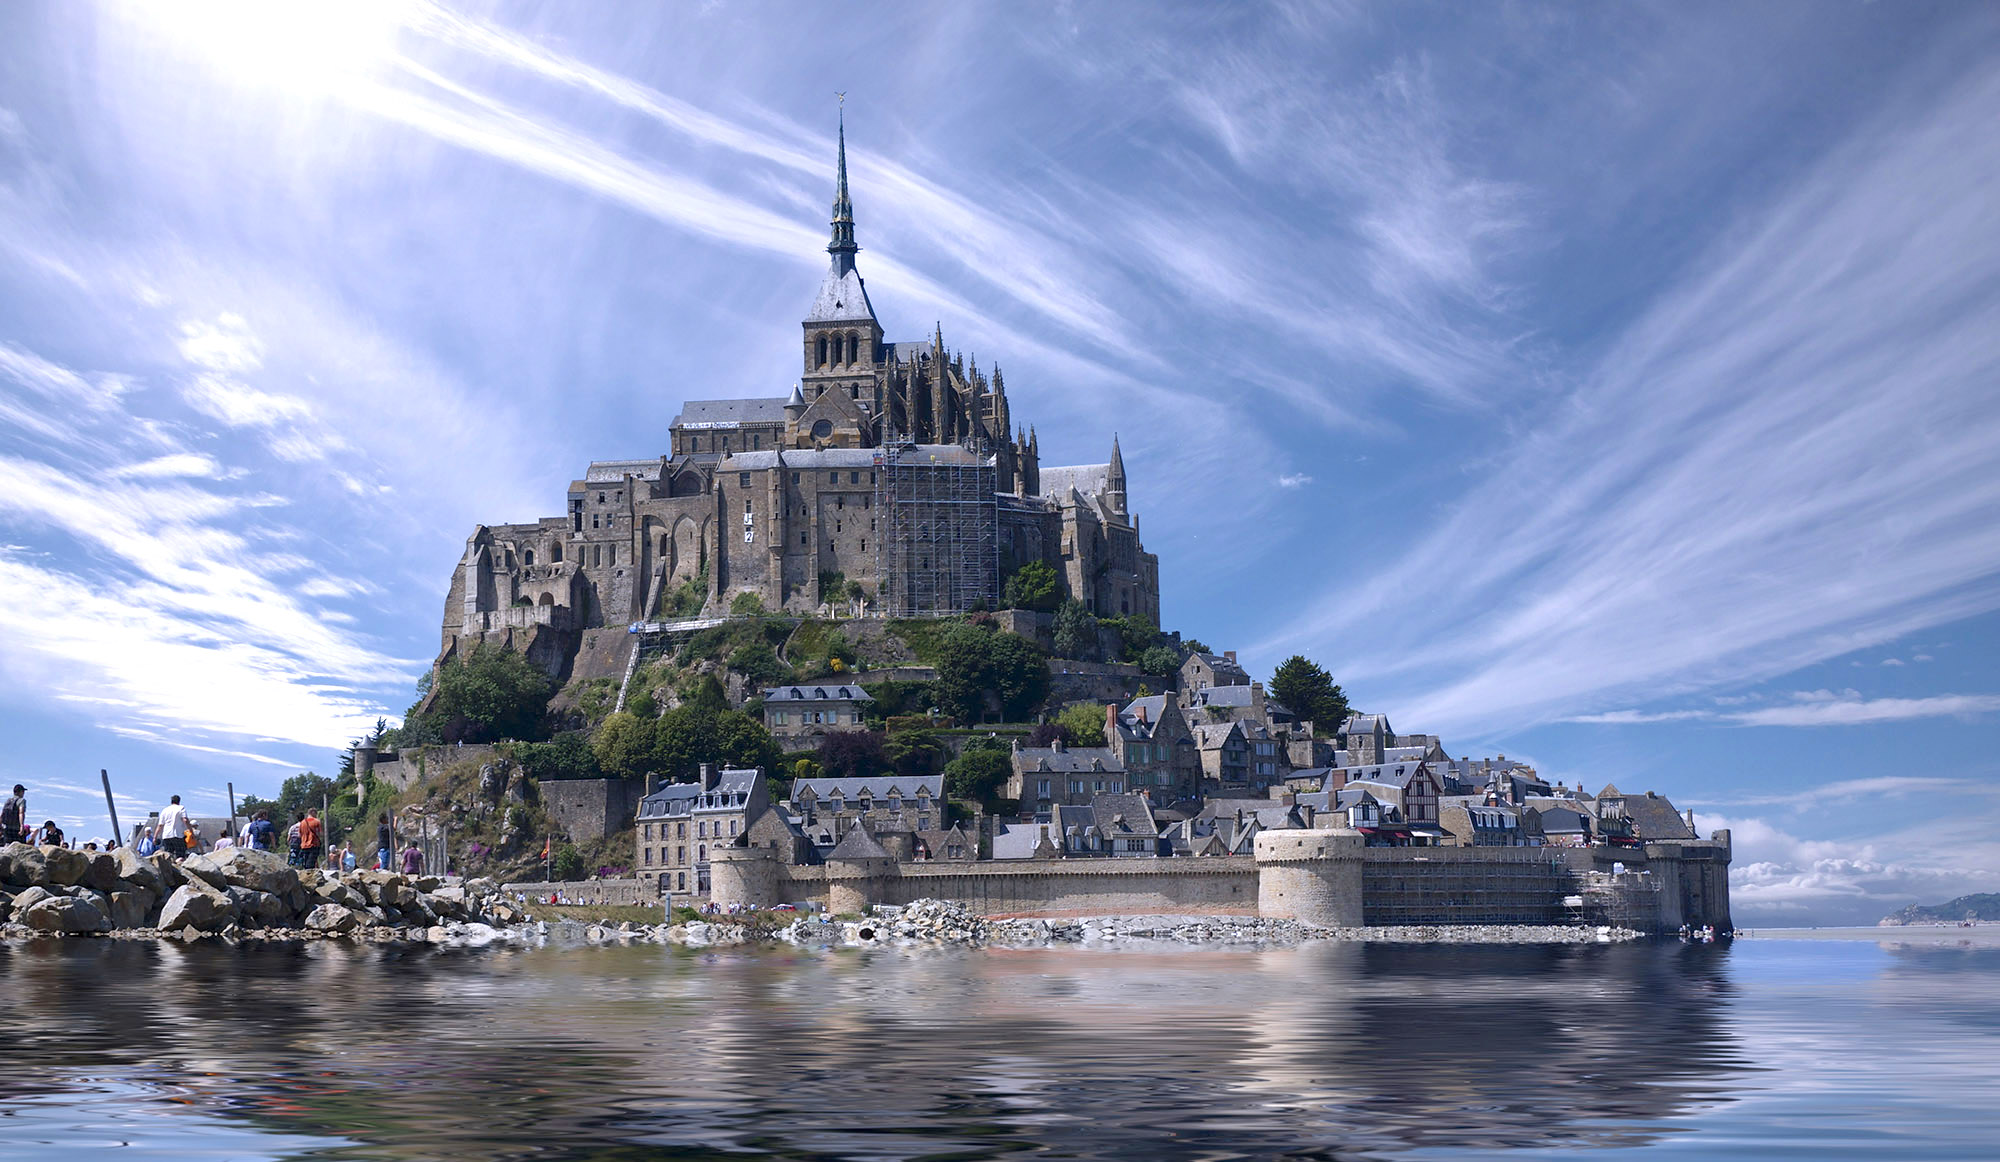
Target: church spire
(1114, 479)
(842, 247)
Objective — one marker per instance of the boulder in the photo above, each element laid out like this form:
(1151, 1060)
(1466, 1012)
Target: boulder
(427, 884)
(66, 867)
(198, 908)
(449, 903)
(23, 866)
(100, 870)
(67, 914)
(243, 867)
(140, 871)
(263, 907)
(333, 919)
(30, 898)
(132, 907)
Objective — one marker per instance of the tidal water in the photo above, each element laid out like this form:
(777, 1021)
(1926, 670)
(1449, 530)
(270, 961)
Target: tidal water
(1772, 1048)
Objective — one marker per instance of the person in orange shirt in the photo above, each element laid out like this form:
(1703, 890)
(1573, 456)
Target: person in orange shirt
(312, 839)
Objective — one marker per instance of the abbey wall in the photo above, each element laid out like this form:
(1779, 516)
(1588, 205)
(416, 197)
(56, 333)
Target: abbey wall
(892, 478)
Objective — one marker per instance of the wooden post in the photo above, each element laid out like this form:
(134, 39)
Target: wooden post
(108, 806)
(232, 808)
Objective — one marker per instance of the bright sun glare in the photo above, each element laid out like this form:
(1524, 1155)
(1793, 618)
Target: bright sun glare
(300, 45)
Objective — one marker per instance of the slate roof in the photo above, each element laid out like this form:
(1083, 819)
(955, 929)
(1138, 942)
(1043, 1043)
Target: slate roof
(1124, 816)
(679, 798)
(1128, 718)
(1016, 841)
(1212, 735)
(615, 471)
(874, 787)
(842, 298)
(1366, 724)
(728, 413)
(1087, 479)
(1072, 759)
(1654, 817)
(1224, 667)
(857, 844)
(820, 692)
(1237, 697)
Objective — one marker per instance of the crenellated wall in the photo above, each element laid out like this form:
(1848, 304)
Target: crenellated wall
(1325, 878)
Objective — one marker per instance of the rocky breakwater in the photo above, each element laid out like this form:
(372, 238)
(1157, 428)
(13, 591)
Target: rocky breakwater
(235, 892)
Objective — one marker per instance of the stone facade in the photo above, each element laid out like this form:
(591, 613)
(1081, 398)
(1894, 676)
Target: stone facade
(799, 716)
(681, 825)
(896, 466)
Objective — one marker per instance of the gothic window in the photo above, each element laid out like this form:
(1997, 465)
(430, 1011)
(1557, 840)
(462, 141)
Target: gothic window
(822, 350)
(821, 430)
(854, 391)
(528, 558)
(596, 555)
(555, 552)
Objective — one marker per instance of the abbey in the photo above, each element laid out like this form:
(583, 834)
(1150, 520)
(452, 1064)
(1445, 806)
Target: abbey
(888, 473)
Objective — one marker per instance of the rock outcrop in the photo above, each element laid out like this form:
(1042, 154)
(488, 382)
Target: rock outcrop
(234, 892)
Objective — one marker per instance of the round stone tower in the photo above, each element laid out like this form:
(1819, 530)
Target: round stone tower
(745, 876)
(1310, 876)
(855, 882)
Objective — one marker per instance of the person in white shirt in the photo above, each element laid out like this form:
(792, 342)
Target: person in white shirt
(172, 831)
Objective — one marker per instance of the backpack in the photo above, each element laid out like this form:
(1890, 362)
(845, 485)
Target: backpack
(10, 814)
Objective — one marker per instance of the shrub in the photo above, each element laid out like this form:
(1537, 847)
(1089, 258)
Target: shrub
(1075, 631)
(1033, 586)
(975, 775)
(747, 604)
(485, 696)
(1083, 723)
(976, 659)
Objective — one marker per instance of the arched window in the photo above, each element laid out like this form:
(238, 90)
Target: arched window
(528, 558)
(665, 541)
(853, 347)
(822, 350)
(555, 552)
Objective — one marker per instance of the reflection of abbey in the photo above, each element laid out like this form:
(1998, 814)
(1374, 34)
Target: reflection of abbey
(890, 464)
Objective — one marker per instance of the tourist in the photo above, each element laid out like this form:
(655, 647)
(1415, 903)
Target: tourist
(312, 837)
(384, 840)
(262, 832)
(347, 861)
(413, 860)
(50, 835)
(14, 816)
(224, 840)
(173, 828)
(292, 845)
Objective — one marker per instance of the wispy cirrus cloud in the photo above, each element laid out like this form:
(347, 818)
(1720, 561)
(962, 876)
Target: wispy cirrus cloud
(1694, 512)
(1813, 708)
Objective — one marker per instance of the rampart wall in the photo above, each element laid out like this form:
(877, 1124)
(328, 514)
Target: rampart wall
(590, 808)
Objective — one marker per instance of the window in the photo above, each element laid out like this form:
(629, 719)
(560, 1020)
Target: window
(795, 478)
(777, 718)
(600, 498)
(701, 853)
(854, 477)
(896, 804)
(1042, 788)
(746, 504)
(833, 478)
(864, 544)
(924, 824)
(732, 827)
(802, 539)
(649, 856)
(596, 555)
(756, 442)
(683, 879)
(743, 481)
(868, 502)
(593, 520)
(681, 831)
(701, 829)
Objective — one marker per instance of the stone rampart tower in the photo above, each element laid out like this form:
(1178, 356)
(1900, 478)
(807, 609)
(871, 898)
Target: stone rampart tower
(1310, 876)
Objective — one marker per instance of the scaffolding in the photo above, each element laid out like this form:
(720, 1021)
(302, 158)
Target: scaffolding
(1476, 885)
(939, 549)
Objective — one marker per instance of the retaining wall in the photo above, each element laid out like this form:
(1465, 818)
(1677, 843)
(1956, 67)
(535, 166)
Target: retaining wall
(590, 808)
(607, 893)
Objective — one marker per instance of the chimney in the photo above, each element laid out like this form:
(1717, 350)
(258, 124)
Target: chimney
(1230, 654)
(1142, 714)
(1287, 799)
(1257, 701)
(1309, 814)
(1110, 723)
(708, 776)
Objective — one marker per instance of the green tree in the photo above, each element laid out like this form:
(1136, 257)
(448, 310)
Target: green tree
(915, 752)
(1033, 586)
(1083, 724)
(1160, 660)
(974, 659)
(485, 696)
(977, 775)
(747, 604)
(758, 662)
(1075, 631)
(705, 693)
(688, 736)
(566, 863)
(623, 746)
(1309, 692)
(570, 755)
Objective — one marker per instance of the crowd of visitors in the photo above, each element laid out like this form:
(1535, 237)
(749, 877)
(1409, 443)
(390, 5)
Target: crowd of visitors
(174, 834)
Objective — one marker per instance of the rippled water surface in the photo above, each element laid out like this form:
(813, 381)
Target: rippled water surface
(1773, 1048)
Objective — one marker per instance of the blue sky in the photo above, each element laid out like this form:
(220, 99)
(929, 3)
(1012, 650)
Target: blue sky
(1609, 386)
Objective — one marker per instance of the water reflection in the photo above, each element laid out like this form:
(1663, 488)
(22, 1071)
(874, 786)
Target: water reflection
(1322, 1052)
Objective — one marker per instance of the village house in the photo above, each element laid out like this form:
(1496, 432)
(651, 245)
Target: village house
(1476, 822)
(827, 809)
(1114, 826)
(1202, 672)
(951, 844)
(1225, 757)
(799, 716)
(1152, 742)
(1045, 777)
(680, 822)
